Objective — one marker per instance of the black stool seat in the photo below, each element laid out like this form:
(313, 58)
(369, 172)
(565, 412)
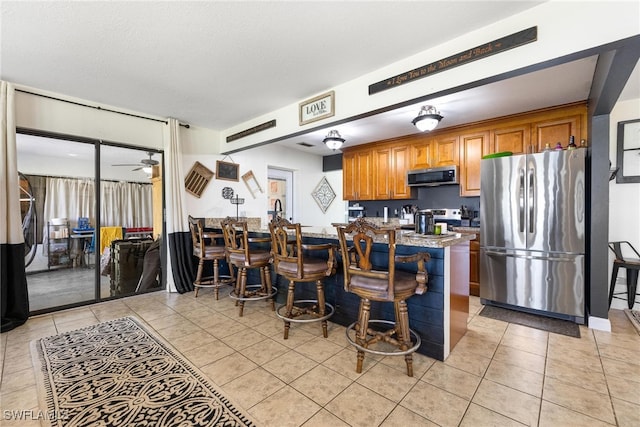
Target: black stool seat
(631, 264)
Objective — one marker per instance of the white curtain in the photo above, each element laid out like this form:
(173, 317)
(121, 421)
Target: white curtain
(14, 298)
(124, 204)
(179, 268)
(129, 204)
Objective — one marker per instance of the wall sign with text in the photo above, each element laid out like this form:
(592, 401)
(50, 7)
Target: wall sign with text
(317, 108)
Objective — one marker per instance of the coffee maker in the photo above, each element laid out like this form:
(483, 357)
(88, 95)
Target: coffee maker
(424, 222)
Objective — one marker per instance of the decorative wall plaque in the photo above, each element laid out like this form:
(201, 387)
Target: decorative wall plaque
(227, 171)
(491, 48)
(317, 108)
(227, 193)
(323, 194)
(197, 179)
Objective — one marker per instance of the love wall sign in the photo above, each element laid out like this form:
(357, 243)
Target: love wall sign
(317, 108)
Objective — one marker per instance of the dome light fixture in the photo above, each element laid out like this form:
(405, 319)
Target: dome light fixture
(333, 140)
(427, 119)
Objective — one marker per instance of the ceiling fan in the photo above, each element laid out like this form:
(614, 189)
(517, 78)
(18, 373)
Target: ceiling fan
(143, 164)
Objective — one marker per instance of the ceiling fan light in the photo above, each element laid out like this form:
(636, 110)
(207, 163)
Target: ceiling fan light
(427, 119)
(333, 140)
(147, 170)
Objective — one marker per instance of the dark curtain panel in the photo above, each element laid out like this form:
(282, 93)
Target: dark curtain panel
(14, 298)
(180, 250)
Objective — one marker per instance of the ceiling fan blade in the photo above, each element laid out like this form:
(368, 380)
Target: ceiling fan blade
(127, 164)
(137, 169)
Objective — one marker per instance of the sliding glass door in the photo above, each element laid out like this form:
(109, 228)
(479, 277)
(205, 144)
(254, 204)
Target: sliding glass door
(90, 220)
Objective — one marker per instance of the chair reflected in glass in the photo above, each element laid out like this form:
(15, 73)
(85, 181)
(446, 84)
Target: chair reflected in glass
(245, 252)
(371, 274)
(206, 249)
(293, 260)
(631, 264)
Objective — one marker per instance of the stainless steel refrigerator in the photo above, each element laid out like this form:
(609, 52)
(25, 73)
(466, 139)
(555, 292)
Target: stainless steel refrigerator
(532, 233)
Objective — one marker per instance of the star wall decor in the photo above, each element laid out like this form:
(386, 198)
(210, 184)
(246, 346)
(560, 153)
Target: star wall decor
(323, 194)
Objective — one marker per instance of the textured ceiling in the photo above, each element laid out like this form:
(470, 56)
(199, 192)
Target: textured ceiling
(218, 64)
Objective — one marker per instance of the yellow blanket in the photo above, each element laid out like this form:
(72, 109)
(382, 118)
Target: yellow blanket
(107, 235)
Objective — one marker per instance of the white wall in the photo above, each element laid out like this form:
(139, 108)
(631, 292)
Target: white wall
(307, 172)
(624, 199)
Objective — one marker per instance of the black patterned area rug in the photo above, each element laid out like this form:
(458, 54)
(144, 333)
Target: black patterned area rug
(118, 373)
(557, 326)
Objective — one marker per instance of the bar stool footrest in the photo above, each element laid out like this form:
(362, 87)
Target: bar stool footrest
(253, 293)
(207, 282)
(410, 350)
(316, 315)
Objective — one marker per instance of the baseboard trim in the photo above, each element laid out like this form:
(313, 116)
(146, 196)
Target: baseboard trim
(600, 324)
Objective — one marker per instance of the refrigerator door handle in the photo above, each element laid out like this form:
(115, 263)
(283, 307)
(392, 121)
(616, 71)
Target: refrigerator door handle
(544, 258)
(521, 202)
(532, 200)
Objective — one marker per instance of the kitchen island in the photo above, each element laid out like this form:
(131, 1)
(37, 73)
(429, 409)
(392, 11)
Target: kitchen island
(439, 315)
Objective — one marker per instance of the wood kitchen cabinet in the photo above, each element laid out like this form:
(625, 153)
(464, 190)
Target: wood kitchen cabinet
(472, 147)
(511, 138)
(474, 266)
(420, 154)
(391, 163)
(377, 171)
(400, 156)
(357, 175)
(556, 130)
(445, 150)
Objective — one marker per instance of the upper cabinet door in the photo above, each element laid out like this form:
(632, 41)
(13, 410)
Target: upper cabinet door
(420, 154)
(472, 148)
(382, 179)
(515, 139)
(399, 166)
(445, 150)
(556, 130)
(357, 175)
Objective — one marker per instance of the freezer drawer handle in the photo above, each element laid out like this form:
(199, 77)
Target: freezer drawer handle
(544, 258)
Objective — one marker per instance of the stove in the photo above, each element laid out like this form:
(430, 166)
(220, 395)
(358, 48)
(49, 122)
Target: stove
(447, 214)
(453, 217)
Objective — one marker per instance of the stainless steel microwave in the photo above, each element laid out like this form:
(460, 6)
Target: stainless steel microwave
(442, 175)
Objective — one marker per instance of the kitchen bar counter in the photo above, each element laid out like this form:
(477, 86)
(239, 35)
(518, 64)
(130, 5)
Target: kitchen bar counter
(403, 237)
(439, 315)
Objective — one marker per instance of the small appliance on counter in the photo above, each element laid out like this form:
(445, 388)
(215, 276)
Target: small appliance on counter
(467, 216)
(424, 222)
(427, 218)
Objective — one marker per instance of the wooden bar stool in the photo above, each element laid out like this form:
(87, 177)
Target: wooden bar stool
(205, 248)
(380, 283)
(291, 259)
(243, 254)
(631, 264)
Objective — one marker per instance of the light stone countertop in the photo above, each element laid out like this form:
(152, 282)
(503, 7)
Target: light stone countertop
(403, 237)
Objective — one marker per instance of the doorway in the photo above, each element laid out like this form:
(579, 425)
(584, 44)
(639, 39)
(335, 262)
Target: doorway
(280, 183)
(76, 189)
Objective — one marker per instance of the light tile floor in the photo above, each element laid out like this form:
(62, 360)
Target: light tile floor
(500, 374)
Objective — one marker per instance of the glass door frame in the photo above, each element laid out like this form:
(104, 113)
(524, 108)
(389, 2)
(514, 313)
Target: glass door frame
(98, 144)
